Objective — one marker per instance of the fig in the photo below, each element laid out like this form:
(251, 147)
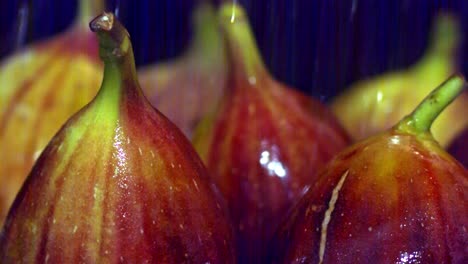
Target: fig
(396, 197)
(189, 87)
(265, 141)
(459, 148)
(42, 86)
(118, 183)
(374, 105)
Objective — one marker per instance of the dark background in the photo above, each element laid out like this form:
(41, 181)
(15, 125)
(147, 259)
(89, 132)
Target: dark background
(318, 46)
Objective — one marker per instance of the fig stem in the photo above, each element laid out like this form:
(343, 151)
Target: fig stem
(88, 9)
(206, 36)
(421, 119)
(115, 49)
(114, 40)
(242, 48)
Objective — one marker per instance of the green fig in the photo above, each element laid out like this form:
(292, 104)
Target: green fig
(374, 105)
(264, 143)
(189, 87)
(118, 183)
(42, 85)
(396, 197)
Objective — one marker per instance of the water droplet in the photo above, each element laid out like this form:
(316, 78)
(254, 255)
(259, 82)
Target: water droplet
(37, 154)
(252, 80)
(196, 185)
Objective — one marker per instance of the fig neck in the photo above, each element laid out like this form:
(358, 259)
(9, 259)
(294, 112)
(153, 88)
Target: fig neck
(115, 50)
(207, 43)
(244, 58)
(443, 45)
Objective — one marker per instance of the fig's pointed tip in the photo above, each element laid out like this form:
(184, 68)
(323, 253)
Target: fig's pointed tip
(460, 77)
(202, 11)
(103, 22)
(445, 20)
(113, 37)
(231, 12)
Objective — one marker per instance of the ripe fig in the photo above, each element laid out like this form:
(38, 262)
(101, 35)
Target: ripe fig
(376, 104)
(118, 183)
(396, 197)
(264, 143)
(459, 148)
(189, 87)
(41, 87)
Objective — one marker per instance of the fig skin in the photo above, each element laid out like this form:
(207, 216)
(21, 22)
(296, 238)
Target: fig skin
(118, 183)
(265, 143)
(396, 197)
(41, 87)
(189, 87)
(375, 220)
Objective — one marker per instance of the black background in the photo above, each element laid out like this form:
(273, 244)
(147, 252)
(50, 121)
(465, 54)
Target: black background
(317, 46)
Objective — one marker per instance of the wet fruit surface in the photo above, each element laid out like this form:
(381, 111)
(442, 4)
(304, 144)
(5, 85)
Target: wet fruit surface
(393, 206)
(265, 143)
(397, 197)
(118, 183)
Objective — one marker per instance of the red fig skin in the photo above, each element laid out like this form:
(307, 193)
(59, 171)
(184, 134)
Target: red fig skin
(140, 195)
(415, 225)
(73, 42)
(459, 148)
(187, 88)
(397, 197)
(264, 145)
(262, 167)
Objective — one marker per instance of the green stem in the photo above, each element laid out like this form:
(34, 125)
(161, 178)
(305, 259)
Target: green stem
(115, 49)
(242, 49)
(88, 9)
(207, 41)
(423, 116)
